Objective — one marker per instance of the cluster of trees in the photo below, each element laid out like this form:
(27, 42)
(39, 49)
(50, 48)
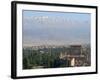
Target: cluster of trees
(43, 58)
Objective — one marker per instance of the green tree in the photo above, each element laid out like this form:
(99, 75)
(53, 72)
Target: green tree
(25, 63)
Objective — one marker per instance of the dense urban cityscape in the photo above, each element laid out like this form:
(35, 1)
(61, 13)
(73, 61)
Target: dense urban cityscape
(53, 56)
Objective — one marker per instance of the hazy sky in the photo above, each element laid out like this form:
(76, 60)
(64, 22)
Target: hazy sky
(57, 28)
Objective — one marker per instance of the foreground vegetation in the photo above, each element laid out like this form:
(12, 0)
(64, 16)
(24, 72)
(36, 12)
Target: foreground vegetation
(43, 58)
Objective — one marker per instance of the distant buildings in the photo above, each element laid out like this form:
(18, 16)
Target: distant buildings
(75, 50)
(75, 56)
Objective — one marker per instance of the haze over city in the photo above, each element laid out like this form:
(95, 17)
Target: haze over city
(55, 28)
